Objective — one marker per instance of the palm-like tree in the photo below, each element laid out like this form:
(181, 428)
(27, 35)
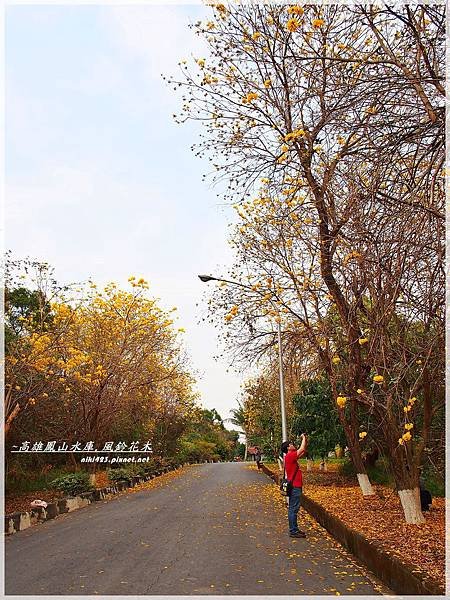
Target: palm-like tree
(239, 420)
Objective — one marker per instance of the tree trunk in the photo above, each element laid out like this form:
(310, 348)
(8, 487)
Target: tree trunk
(410, 500)
(406, 476)
(11, 418)
(350, 428)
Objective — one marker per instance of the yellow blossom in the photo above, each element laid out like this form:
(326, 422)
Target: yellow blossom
(256, 35)
(294, 135)
(250, 97)
(406, 436)
(362, 341)
(200, 62)
(335, 360)
(267, 83)
(295, 10)
(359, 391)
(341, 401)
(293, 24)
(362, 435)
(401, 441)
(409, 426)
(412, 400)
(318, 23)
(378, 379)
(406, 408)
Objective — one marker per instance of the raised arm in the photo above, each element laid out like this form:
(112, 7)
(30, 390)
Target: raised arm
(303, 446)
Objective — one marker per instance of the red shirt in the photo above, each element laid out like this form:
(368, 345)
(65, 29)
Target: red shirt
(290, 465)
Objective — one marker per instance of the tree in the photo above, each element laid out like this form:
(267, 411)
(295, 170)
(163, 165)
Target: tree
(314, 414)
(103, 365)
(339, 109)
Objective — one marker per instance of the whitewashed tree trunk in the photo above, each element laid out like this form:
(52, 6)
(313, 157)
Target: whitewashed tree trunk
(410, 500)
(309, 463)
(245, 453)
(365, 485)
(325, 467)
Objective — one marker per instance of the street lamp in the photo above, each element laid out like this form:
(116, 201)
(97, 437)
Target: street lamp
(205, 279)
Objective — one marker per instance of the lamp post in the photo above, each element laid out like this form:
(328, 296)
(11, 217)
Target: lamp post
(205, 279)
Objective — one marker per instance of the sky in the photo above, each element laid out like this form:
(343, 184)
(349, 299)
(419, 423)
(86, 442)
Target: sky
(100, 181)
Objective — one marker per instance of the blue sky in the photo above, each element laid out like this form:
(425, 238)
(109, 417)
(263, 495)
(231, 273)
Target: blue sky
(100, 181)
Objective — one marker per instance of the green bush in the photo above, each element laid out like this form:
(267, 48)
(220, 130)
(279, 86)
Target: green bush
(73, 484)
(121, 474)
(435, 485)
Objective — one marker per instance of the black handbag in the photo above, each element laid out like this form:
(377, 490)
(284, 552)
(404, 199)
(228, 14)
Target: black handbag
(286, 485)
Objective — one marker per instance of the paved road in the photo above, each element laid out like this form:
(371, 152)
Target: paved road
(209, 529)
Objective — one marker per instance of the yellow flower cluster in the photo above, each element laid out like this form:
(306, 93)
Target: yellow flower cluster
(335, 360)
(292, 25)
(362, 341)
(221, 8)
(208, 79)
(378, 379)
(408, 407)
(409, 426)
(233, 312)
(318, 23)
(250, 97)
(362, 435)
(295, 10)
(200, 62)
(267, 83)
(256, 35)
(341, 401)
(405, 438)
(359, 391)
(294, 135)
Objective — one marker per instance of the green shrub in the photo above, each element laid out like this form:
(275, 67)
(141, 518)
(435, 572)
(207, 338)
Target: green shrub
(120, 474)
(73, 483)
(435, 485)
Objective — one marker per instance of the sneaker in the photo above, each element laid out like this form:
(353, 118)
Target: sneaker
(298, 534)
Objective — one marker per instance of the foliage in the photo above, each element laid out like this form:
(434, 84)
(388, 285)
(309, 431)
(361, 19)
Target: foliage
(100, 365)
(207, 439)
(73, 483)
(316, 416)
(329, 129)
(121, 474)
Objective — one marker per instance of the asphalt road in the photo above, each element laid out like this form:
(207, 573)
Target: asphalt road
(207, 529)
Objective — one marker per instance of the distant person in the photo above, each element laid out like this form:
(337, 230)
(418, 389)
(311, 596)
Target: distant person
(258, 456)
(294, 474)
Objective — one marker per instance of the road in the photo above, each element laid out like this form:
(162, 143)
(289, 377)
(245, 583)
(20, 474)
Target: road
(206, 529)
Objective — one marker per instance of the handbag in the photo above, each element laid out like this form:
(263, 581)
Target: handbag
(286, 485)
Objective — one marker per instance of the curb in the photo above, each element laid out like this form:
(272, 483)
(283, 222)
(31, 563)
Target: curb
(399, 577)
(19, 521)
